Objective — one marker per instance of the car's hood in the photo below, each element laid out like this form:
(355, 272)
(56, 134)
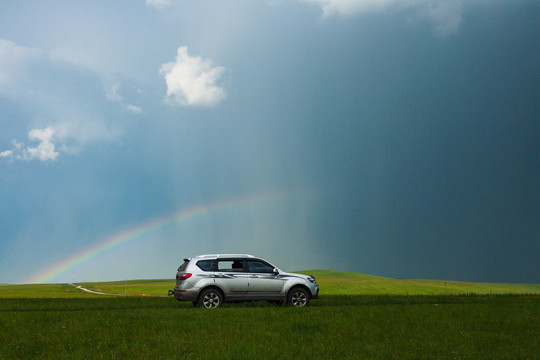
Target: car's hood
(301, 276)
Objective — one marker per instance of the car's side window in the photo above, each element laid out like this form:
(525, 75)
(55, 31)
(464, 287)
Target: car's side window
(206, 265)
(230, 265)
(259, 267)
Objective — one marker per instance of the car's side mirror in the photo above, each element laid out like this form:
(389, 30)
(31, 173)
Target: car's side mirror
(275, 271)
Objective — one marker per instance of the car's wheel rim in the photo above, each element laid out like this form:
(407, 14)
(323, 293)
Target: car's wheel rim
(299, 299)
(211, 300)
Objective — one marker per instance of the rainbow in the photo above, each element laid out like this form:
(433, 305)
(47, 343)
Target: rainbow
(137, 232)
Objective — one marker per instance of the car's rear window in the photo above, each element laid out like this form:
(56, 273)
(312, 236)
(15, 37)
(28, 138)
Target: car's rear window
(184, 265)
(206, 265)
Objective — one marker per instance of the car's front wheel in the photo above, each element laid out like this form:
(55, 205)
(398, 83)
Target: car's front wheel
(210, 299)
(298, 297)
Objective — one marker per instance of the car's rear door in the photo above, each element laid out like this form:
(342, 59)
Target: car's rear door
(232, 278)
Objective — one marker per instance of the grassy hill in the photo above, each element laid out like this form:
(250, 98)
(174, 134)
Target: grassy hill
(350, 283)
(331, 282)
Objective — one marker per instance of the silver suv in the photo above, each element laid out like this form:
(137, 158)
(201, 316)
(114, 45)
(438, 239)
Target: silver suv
(210, 280)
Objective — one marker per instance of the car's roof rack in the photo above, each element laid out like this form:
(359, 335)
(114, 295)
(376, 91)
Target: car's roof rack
(225, 255)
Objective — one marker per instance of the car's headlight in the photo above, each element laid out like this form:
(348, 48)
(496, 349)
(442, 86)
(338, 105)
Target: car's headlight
(311, 279)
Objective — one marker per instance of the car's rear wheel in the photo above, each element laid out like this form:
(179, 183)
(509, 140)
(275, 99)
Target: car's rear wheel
(210, 299)
(298, 297)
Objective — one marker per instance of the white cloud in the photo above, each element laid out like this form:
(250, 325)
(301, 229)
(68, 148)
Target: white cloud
(160, 4)
(192, 81)
(54, 139)
(134, 109)
(444, 14)
(58, 104)
(113, 94)
(13, 60)
(17, 145)
(353, 7)
(45, 149)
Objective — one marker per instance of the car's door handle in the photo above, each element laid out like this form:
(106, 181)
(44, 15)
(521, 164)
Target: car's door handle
(254, 276)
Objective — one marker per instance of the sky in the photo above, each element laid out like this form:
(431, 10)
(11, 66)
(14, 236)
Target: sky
(397, 138)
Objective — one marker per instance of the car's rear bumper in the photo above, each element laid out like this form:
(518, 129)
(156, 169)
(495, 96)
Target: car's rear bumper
(185, 295)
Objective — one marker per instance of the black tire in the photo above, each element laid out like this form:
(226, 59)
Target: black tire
(298, 297)
(210, 299)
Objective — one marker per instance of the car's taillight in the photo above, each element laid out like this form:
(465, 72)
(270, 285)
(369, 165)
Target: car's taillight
(184, 276)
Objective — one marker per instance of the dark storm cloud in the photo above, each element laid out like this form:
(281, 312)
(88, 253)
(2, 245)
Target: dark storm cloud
(431, 155)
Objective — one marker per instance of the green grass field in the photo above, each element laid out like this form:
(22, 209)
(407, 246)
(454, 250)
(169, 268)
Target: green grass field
(330, 282)
(357, 317)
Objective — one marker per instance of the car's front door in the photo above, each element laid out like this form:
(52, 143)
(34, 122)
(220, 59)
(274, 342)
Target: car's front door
(263, 282)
